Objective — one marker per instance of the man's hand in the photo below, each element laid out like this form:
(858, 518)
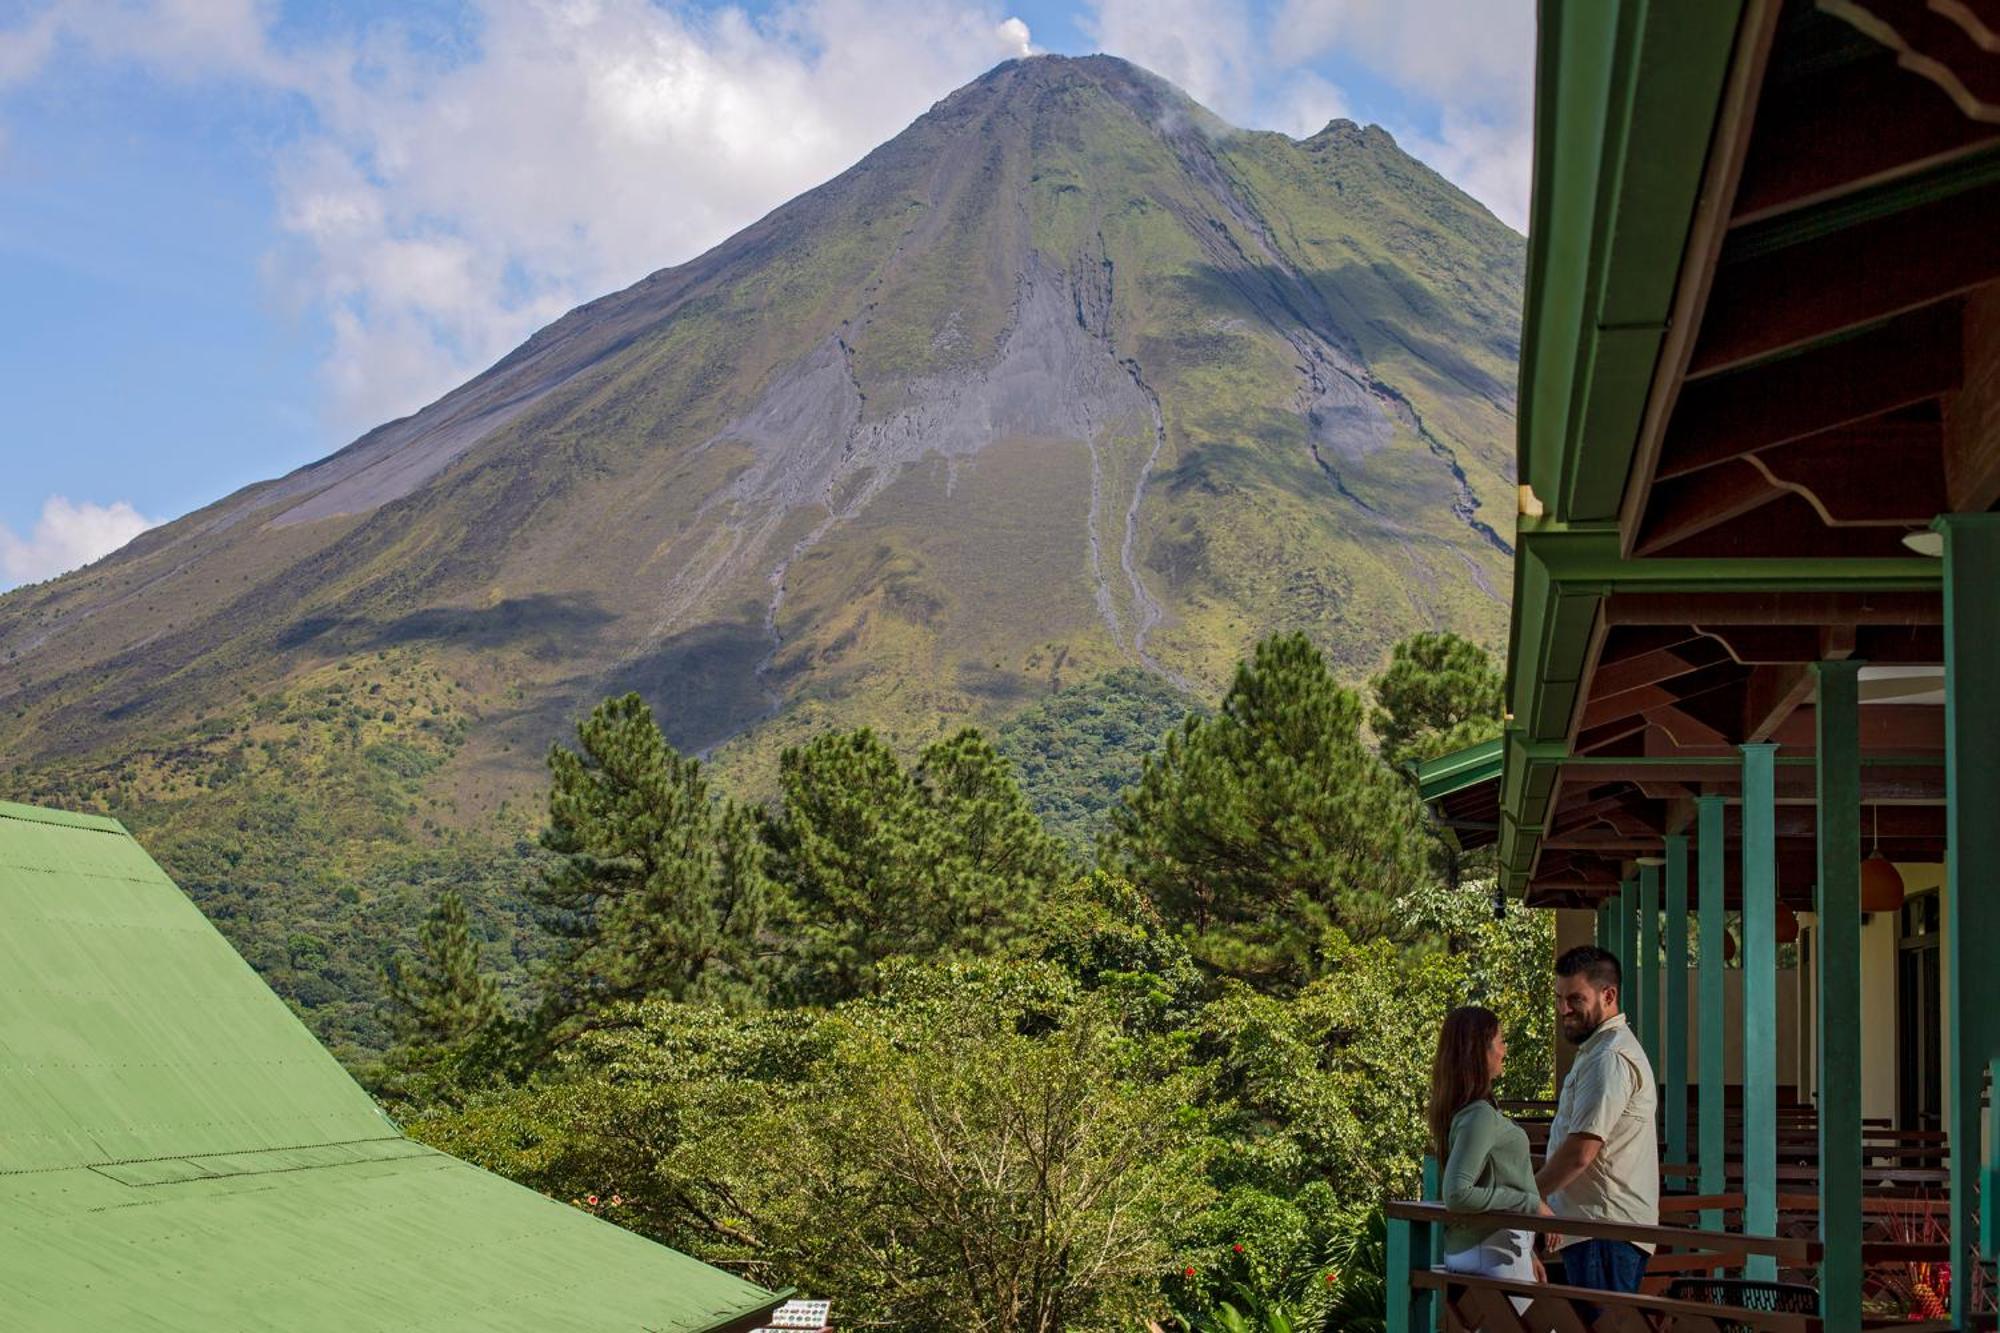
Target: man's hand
(1541, 1272)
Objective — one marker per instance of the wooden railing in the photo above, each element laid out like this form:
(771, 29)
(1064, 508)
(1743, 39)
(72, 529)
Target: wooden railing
(1422, 1296)
(1419, 1291)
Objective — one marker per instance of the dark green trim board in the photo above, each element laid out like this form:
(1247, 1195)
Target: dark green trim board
(1972, 840)
(1674, 1014)
(1837, 958)
(1646, 963)
(1712, 1002)
(1759, 954)
(1626, 95)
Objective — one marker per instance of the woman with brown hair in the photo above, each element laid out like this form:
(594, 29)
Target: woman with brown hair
(1485, 1154)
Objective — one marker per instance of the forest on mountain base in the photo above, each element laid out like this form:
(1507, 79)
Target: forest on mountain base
(892, 1039)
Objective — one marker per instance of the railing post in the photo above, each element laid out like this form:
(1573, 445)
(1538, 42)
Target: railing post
(1713, 1005)
(1972, 859)
(1430, 1243)
(1674, 1028)
(1989, 1185)
(1838, 959)
(1760, 1001)
(1408, 1310)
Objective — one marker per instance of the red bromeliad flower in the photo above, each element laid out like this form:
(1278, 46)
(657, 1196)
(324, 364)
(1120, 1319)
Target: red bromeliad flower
(1237, 1248)
(591, 1199)
(1189, 1272)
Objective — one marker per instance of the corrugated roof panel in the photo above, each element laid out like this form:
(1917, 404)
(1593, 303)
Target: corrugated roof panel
(177, 1152)
(129, 1029)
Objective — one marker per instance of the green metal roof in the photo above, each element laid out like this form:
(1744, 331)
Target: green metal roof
(178, 1152)
(1455, 772)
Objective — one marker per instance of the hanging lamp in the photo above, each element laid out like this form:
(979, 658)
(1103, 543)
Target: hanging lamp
(1881, 882)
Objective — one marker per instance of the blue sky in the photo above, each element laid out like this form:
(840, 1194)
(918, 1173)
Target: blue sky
(234, 235)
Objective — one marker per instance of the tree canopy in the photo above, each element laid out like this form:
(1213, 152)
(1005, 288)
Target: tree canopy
(1262, 827)
(1439, 693)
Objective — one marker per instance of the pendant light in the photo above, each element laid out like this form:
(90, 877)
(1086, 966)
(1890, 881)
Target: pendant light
(1881, 882)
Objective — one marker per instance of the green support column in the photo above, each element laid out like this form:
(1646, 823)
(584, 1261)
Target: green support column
(1838, 960)
(1604, 924)
(1674, 1024)
(1760, 1001)
(1712, 1003)
(1647, 968)
(1972, 860)
(1628, 938)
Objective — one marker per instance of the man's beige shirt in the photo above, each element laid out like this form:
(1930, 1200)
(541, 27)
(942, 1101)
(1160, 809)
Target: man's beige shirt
(1609, 1094)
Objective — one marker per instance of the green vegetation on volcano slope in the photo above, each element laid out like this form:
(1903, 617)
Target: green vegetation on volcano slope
(1077, 750)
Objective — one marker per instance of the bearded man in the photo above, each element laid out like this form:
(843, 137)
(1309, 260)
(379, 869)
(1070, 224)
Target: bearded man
(1603, 1162)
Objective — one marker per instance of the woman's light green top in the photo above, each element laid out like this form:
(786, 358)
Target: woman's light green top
(1486, 1171)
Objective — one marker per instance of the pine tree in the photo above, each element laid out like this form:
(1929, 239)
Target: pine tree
(661, 887)
(878, 861)
(998, 862)
(439, 997)
(1439, 693)
(1262, 827)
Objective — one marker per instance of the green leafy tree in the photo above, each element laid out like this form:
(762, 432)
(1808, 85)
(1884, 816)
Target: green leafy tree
(660, 887)
(1439, 693)
(878, 861)
(1262, 827)
(439, 996)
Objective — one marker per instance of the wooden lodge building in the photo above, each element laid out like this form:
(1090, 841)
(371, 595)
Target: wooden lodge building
(1754, 675)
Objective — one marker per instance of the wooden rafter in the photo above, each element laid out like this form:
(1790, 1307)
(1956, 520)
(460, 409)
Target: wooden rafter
(1908, 360)
(1771, 301)
(1911, 126)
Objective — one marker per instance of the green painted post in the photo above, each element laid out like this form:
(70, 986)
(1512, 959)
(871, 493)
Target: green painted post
(1674, 1028)
(1400, 1299)
(1606, 924)
(1838, 959)
(1646, 970)
(1712, 1003)
(1760, 1001)
(1627, 933)
(1972, 859)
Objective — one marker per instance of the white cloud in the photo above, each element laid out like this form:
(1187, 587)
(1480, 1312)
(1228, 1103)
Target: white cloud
(66, 536)
(1474, 64)
(1208, 49)
(443, 207)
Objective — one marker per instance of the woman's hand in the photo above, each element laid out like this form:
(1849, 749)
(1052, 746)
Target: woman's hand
(1541, 1272)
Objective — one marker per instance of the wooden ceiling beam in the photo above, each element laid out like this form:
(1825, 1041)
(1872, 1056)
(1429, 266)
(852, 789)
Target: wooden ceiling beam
(1772, 694)
(1864, 123)
(1971, 454)
(1772, 301)
(1654, 667)
(1908, 360)
(1897, 487)
(1688, 505)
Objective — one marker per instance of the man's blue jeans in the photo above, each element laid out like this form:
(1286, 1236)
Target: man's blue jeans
(1604, 1265)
